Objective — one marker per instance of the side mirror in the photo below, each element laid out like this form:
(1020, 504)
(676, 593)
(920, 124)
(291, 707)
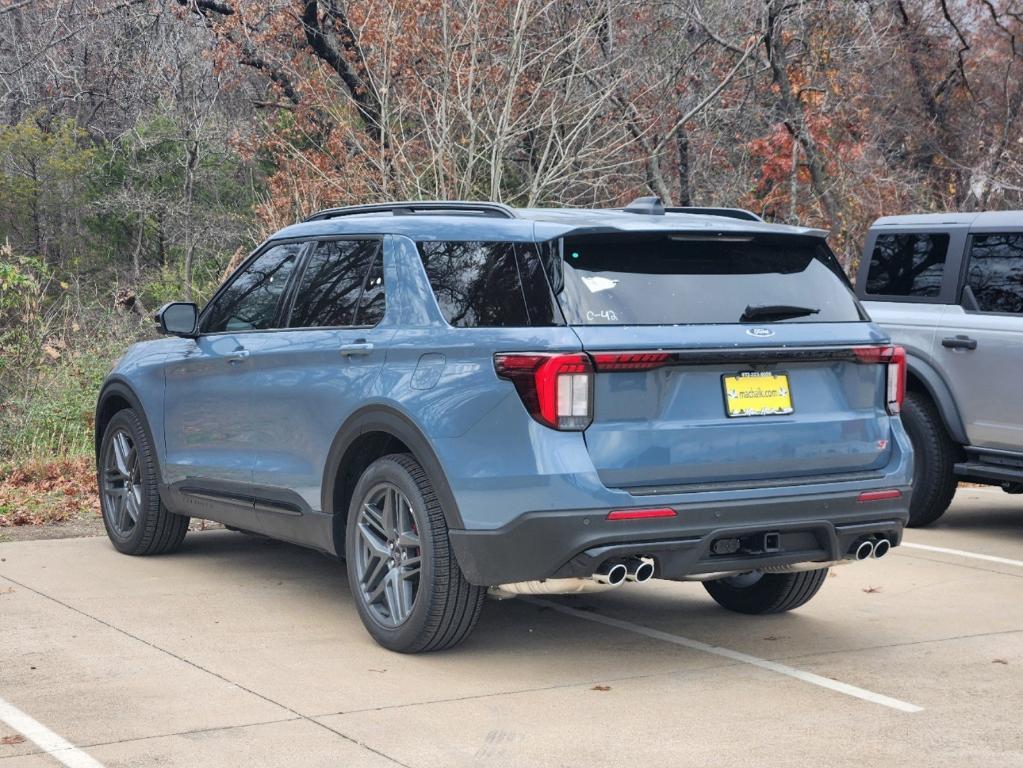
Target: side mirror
(177, 318)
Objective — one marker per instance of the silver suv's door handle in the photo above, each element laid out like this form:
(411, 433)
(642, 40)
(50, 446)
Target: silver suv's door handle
(959, 342)
(358, 348)
(238, 355)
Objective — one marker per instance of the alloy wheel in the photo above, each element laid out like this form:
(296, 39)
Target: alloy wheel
(388, 555)
(122, 484)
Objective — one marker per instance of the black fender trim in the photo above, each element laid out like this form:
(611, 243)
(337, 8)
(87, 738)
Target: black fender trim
(940, 394)
(381, 418)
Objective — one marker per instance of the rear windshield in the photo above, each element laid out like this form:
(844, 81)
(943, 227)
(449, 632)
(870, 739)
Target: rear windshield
(685, 279)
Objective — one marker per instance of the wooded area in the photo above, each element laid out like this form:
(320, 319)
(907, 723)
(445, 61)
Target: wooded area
(146, 145)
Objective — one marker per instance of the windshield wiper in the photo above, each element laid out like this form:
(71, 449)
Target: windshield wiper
(775, 312)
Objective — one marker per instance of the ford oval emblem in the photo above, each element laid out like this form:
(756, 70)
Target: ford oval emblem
(760, 333)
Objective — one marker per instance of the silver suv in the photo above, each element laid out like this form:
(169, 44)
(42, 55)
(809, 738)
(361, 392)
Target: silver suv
(949, 288)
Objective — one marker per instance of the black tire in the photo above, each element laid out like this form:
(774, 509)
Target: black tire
(934, 480)
(770, 593)
(156, 530)
(445, 607)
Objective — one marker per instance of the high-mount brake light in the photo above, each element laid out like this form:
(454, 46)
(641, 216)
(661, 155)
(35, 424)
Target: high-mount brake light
(629, 361)
(557, 390)
(895, 383)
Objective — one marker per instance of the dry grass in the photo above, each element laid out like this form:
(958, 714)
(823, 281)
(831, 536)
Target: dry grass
(39, 493)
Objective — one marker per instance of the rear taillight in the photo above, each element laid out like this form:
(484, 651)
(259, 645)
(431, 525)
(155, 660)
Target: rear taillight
(557, 390)
(629, 361)
(894, 358)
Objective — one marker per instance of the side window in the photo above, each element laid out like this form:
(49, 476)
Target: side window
(996, 272)
(249, 302)
(488, 284)
(329, 291)
(907, 265)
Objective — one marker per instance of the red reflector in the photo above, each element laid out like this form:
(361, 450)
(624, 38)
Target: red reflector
(640, 514)
(629, 361)
(880, 495)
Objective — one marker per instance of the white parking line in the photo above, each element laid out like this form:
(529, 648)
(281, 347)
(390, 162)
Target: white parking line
(964, 553)
(772, 666)
(52, 744)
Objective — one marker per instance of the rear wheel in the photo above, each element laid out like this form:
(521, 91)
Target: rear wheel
(934, 480)
(759, 593)
(409, 591)
(136, 520)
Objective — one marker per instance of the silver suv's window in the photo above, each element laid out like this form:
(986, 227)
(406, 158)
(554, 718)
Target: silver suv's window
(687, 278)
(250, 301)
(996, 272)
(334, 289)
(907, 264)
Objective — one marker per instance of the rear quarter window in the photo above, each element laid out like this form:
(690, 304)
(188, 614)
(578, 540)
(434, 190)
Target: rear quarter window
(480, 284)
(907, 264)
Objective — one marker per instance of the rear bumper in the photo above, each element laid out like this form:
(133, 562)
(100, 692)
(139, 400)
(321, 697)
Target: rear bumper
(816, 527)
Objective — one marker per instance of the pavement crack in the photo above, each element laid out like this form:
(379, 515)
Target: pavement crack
(201, 668)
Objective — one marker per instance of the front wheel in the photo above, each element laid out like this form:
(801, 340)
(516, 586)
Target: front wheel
(759, 593)
(136, 520)
(409, 590)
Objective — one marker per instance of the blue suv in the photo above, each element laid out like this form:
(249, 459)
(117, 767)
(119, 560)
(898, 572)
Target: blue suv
(461, 397)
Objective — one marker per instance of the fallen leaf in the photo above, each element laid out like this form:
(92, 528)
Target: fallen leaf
(601, 688)
(9, 740)
(872, 590)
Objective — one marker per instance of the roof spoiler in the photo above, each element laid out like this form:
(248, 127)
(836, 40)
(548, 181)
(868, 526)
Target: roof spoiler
(652, 206)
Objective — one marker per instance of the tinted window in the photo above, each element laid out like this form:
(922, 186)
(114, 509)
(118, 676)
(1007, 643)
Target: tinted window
(907, 265)
(681, 279)
(996, 272)
(488, 284)
(250, 301)
(329, 290)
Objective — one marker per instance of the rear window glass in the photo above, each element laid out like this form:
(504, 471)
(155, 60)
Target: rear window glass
(996, 272)
(687, 279)
(907, 265)
(482, 284)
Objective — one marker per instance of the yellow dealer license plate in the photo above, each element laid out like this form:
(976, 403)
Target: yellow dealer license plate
(756, 393)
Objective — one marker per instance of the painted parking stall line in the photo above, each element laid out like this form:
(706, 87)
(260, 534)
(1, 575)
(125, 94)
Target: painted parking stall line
(771, 666)
(49, 742)
(964, 553)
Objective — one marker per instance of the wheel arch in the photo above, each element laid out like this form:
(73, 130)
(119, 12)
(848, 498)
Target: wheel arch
(116, 395)
(368, 434)
(923, 377)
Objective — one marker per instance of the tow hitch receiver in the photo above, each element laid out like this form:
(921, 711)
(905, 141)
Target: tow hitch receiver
(753, 544)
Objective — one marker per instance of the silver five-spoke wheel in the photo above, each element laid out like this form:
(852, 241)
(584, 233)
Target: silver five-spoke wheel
(122, 483)
(388, 555)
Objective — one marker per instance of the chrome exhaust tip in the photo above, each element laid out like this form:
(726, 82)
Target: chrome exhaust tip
(611, 573)
(640, 569)
(881, 548)
(863, 550)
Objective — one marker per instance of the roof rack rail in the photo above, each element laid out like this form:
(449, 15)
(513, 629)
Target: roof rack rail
(731, 213)
(410, 207)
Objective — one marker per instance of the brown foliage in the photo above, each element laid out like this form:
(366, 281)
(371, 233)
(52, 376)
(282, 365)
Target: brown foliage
(47, 492)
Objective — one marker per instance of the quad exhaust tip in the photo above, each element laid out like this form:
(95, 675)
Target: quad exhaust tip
(881, 548)
(612, 574)
(863, 550)
(640, 569)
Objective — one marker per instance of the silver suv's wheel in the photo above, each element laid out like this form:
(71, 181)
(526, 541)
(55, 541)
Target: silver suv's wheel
(136, 521)
(934, 480)
(409, 591)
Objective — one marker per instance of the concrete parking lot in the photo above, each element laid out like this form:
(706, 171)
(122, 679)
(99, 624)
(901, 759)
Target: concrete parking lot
(242, 651)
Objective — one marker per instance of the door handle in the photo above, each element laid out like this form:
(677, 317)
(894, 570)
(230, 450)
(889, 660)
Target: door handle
(959, 342)
(238, 356)
(360, 347)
